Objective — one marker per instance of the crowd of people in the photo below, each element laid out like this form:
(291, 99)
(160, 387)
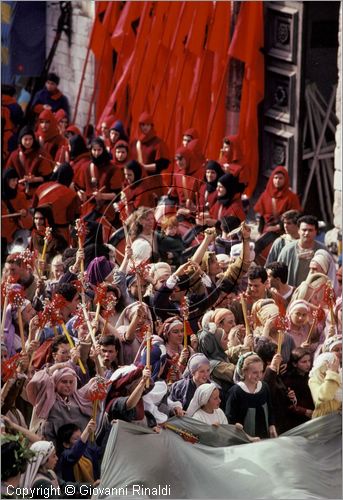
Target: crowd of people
(133, 288)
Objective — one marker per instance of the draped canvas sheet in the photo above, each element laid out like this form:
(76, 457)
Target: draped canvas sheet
(303, 463)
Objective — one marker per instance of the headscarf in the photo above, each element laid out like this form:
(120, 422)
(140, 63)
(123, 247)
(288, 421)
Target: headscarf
(263, 309)
(105, 156)
(77, 146)
(146, 118)
(200, 398)
(157, 357)
(271, 189)
(219, 314)
(63, 175)
(210, 345)
(127, 314)
(326, 262)
(42, 392)
(213, 165)
(320, 366)
(194, 363)
(311, 286)
(60, 115)
(232, 186)
(236, 250)
(186, 154)
(8, 193)
(53, 130)
(118, 126)
(137, 170)
(238, 375)
(235, 153)
(159, 269)
(73, 130)
(26, 130)
(168, 324)
(297, 305)
(192, 132)
(98, 270)
(332, 342)
(42, 450)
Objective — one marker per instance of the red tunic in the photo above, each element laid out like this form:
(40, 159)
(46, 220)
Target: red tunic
(12, 224)
(94, 177)
(29, 162)
(138, 196)
(274, 202)
(64, 202)
(53, 142)
(231, 160)
(185, 186)
(147, 149)
(78, 165)
(236, 208)
(206, 199)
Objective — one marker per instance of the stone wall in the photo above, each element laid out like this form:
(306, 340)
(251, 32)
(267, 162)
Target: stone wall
(68, 61)
(337, 208)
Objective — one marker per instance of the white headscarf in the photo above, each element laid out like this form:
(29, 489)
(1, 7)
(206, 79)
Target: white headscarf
(320, 366)
(200, 398)
(43, 450)
(127, 314)
(326, 262)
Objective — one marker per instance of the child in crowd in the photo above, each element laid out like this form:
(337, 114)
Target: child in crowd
(171, 245)
(78, 457)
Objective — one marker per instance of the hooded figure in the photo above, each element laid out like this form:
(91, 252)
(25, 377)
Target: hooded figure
(276, 199)
(51, 409)
(183, 390)
(42, 451)
(137, 190)
(97, 174)
(48, 135)
(208, 191)
(79, 156)
(30, 160)
(118, 128)
(185, 186)
(151, 152)
(201, 410)
(130, 348)
(231, 157)
(13, 201)
(229, 191)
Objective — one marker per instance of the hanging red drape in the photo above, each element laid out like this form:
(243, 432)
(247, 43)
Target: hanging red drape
(172, 60)
(246, 46)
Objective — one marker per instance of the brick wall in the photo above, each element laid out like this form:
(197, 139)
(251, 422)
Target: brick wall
(337, 208)
(68, 61)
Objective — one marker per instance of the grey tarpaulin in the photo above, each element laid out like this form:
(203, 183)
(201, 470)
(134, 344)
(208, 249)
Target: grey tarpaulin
(302, 463)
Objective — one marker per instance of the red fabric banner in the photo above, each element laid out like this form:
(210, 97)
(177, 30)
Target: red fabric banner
(172, 60)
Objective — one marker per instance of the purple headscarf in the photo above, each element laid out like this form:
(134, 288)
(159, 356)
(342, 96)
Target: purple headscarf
(98, 270)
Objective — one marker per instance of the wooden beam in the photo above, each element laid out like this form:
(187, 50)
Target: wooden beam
(314, 142)
(319, 144)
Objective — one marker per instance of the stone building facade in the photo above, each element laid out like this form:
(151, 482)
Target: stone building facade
(68, 61)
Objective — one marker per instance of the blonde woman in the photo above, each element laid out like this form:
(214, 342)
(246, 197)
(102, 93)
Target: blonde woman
(249, 401)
